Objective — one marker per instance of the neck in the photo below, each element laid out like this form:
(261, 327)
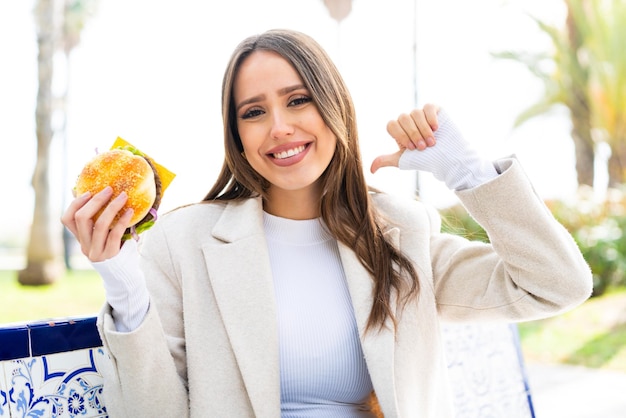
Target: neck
(293, 204)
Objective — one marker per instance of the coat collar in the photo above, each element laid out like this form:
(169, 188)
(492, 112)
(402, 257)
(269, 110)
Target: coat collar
(240, 274)
(378, 345)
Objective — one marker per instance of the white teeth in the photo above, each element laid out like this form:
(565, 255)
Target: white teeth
(289, 153)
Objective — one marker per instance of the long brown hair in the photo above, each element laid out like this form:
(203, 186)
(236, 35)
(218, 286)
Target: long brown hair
(345, 205)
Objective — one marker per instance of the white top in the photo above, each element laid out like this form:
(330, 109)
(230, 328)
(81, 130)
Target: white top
(322, 367)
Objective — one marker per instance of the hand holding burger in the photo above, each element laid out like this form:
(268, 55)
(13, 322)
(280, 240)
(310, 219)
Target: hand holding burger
(125, 169)
(119, 192)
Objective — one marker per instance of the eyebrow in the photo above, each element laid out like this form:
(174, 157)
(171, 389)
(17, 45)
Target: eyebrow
(281, 92)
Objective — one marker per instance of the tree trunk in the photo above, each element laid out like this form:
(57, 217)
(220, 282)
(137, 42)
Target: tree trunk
(617, 164)
(584, 151)
(44, 265)
(579, 105)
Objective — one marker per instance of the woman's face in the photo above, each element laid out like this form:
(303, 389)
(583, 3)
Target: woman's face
(282, 132)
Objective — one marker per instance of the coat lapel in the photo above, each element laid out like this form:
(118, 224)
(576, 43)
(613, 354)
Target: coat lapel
(378, 346)
(240, 274)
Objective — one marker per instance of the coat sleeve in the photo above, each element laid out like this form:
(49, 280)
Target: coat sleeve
(531, 269)
(147, 375)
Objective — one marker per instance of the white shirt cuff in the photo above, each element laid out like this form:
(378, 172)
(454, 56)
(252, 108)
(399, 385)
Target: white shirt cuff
(125, 287)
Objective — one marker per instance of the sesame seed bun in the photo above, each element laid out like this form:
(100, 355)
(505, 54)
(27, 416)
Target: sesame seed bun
(124, 172)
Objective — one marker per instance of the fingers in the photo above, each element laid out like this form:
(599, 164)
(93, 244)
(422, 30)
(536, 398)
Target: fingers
(116, 233)
(68, 217)
(389, 160)
(430, 112)
(415, 130)
(411, 131)
(101, 239)
(105, 243)
(83, 218)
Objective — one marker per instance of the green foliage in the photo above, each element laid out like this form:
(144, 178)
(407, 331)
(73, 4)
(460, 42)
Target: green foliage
(456, 220)
(564, 76)
(602, 25)
(598, 228)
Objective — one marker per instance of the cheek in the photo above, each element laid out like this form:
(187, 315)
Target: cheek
(330, 142)
(248, 138)
(251, 146)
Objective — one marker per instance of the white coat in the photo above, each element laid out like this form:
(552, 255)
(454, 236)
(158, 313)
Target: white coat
(208, 346)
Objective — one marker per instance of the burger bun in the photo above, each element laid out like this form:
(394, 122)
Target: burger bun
(124, 172)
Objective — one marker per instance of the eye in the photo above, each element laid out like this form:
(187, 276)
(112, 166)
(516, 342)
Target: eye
(251, 113)
(300, 100)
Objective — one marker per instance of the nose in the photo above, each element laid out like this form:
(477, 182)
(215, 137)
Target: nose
(282, 125)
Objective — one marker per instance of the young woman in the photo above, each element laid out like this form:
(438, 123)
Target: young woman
(293, 290)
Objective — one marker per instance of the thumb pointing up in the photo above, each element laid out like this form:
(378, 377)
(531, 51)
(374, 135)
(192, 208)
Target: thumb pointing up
(389, 160)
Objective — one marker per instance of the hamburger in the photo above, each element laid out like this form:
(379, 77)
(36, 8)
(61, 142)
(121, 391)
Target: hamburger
(125, 169)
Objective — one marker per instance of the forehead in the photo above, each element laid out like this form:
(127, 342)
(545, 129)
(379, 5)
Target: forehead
(263, 71)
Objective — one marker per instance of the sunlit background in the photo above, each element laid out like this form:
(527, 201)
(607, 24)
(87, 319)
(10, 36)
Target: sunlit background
(150, 72)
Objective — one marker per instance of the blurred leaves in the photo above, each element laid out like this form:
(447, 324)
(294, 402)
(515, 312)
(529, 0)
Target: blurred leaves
(598, 228)
(586, 72)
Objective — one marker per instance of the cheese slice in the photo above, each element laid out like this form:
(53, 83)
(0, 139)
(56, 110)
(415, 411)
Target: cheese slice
(165, 175)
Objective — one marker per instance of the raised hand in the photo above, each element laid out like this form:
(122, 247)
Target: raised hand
(430, 141)
(413, 131)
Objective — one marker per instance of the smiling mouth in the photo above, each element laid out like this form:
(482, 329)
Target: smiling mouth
(289, 153)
